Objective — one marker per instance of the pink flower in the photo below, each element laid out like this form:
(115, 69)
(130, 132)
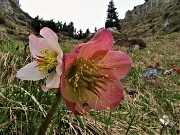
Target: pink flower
(176, 69)
(157, 64)
(47, 62)
(92, 75)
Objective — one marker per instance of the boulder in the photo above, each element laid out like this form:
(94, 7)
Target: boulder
(113, 30)
(136, 47)
(136, 44)
(128, 15)
(138, 9)
(166, 25)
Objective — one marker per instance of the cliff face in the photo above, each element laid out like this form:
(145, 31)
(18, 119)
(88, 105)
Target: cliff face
(147, 7)
(13, 20)
(7, 5)
(152, 17)
(13, 10)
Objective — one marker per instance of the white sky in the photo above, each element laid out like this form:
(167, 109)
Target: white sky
(83, 13)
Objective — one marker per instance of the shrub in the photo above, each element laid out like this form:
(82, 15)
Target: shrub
(2, 20)
(176, 28)
(165, 16)
(38, 24)
(69, 29)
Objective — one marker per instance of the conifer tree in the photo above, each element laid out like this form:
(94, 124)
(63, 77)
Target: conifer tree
(64, 27)
(36, 23)
(70, 29)
(60, 25)
(95, 29)
(112, 16)
(87, 32)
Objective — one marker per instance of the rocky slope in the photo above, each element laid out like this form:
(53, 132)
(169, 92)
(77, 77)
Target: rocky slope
(6, 5)
(147, 7)
(152, 17)
(13, 21)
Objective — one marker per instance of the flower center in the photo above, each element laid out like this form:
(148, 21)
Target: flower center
(84, 75)
(47, 62)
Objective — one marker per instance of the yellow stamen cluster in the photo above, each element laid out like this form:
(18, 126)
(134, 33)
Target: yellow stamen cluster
(47, 61)
(85, 76)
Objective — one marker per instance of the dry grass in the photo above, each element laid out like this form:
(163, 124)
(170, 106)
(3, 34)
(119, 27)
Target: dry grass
(149, 99)
(23, 105)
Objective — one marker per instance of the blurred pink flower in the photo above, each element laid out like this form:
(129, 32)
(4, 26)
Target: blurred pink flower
(92, 75)
(156, 64)
(176, 69)
(47, 62)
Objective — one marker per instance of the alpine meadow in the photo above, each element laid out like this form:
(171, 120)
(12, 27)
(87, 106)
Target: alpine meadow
(123, 79)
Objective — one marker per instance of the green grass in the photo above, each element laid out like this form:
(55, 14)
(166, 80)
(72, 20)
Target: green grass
(24, 105)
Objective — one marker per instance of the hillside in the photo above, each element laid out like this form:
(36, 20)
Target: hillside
(147, 99)
(158, 20)
(14, 22)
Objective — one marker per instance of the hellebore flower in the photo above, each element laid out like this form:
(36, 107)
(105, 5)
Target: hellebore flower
(176, 69)
(156, 64)
(92, 75)
(47, 62)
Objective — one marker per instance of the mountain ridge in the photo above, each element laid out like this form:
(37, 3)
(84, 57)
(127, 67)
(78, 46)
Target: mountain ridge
(144, 20)
(147, 7)
(151, 18)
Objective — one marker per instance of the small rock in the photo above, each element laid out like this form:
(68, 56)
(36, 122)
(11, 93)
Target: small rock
(136, 47)
(113, 30)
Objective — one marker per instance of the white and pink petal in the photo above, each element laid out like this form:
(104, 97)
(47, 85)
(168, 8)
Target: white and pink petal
(36, 45)
(53, 80)
(51, 38)
(30, 72)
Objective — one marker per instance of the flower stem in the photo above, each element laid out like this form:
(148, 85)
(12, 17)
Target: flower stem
(52, 111)
(131, 122)
(161, 131)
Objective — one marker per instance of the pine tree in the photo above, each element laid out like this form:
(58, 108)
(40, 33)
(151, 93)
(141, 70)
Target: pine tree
(95, 29)
(112, 16)
(64, 28)
(36, 23)
(70, 29)
(60, 25)
(87, 32)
